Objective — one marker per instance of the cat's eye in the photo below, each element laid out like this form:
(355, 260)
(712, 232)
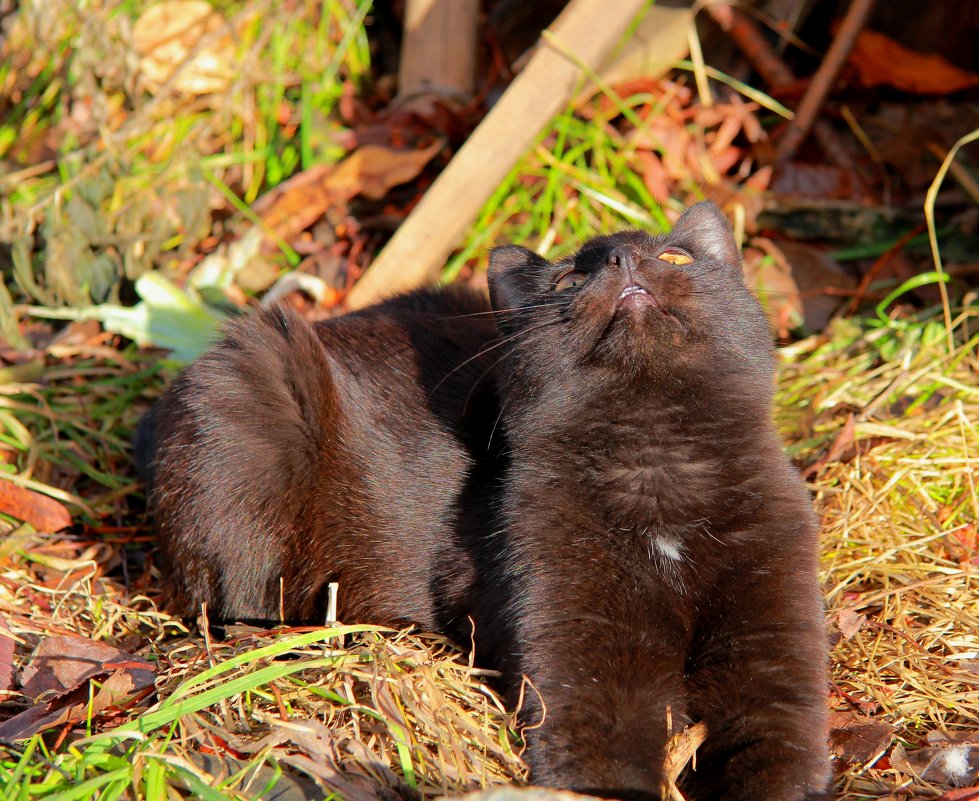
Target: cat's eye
(675, 256)
(571, 278)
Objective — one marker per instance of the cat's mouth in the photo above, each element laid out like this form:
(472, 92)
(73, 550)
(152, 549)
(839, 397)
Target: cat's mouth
(635, 295)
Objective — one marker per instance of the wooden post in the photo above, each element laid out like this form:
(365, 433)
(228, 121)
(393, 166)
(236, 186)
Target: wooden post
(438, 55)
(589, 29)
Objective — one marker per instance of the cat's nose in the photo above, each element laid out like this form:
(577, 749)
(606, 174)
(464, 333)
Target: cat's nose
(624, 257)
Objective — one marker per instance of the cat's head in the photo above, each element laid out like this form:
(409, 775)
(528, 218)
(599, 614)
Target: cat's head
(633, 305)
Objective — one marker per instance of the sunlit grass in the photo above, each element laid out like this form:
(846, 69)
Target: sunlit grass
(136, 190)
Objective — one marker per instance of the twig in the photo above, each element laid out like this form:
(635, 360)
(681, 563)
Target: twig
(775, 72)
(755, 47)
(822, 81)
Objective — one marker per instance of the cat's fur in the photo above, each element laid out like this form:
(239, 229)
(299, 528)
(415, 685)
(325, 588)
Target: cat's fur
(660, 549)
(290, 456)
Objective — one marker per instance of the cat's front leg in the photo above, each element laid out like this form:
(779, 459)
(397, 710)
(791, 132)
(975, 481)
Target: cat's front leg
(605, 708)
(757, 678)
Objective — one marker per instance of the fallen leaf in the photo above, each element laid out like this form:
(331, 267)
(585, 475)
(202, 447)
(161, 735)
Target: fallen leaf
(62, 663)
(43, 513)
(950, 759)
(841, 444)
(856, 738)
(654, 176)
(169, 37)
(880, 60)
(6, 656)
(801, 179)
(850, 621)
(769, 277)
(64, 666)
(372, 170)
(804, 280)
(72, 707)
(21, 538)
(296, 203)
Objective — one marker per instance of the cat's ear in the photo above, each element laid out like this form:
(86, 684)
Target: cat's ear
(705, 233)
(513, 276)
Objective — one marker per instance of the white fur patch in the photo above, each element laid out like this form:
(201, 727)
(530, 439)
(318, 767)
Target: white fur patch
(671, 549)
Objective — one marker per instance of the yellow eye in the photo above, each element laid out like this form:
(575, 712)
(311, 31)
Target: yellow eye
(673, 256)
(570, 279)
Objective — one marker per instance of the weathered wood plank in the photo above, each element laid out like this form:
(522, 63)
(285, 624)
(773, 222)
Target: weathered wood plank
(438, 55)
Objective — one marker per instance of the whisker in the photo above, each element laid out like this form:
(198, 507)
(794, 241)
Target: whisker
(484, 351)
(489, 443)
(492, 312)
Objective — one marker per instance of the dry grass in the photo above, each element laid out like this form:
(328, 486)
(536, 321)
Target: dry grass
(899, 509)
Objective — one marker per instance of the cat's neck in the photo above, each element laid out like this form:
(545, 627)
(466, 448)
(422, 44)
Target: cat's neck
(649, 459)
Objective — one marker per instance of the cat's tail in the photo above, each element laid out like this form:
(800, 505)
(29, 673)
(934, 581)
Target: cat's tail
(238, 444)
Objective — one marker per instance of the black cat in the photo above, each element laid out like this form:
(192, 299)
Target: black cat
(651, 555)
(660, 549)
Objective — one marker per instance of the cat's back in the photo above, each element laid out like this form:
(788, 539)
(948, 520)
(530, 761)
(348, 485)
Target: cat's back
(291, 455)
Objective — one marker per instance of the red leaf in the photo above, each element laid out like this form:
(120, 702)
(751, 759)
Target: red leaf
(880, 60)
(6, 656)
(44, 513)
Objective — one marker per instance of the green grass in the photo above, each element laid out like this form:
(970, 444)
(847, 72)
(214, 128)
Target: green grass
(136, 193)
(578, 181)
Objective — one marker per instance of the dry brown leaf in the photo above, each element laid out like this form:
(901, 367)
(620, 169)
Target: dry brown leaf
(654, 176)
(62, 663)
(43, 513)
(372, 170)
(62, 666)
(856, 738)
(168, 33)
(880, 60)
(72, 707)
(950, 759)
(850, 621)
(799, 179)
(842, 443)
(792, 283)
(297, 203)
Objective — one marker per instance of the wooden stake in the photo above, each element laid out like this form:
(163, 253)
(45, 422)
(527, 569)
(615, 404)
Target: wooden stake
(588, 28)
(439, 51)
